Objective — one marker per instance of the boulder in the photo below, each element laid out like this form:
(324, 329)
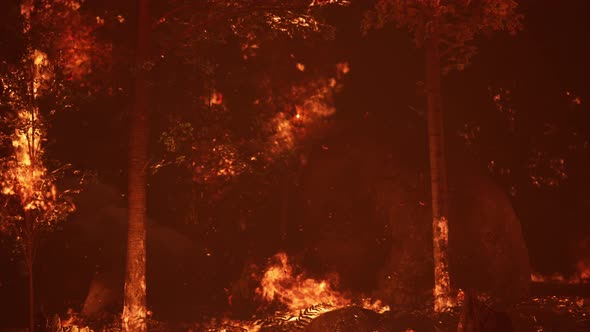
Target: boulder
(87, 257)
(367, 212)
(476, 316)
(348, 319)
(102, 294)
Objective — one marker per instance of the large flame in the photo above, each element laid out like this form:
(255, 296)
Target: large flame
(297, 292)
(305, 299)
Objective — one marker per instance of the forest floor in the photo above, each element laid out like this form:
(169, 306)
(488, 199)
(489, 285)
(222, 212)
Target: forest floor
(553, 308)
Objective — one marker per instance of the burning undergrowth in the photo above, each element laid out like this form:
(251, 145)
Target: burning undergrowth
(579, 273)
(289, 299)
(281, 283)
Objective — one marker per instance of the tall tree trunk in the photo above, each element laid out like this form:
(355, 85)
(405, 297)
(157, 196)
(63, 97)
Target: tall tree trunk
(284, 221)
(134, 307)
(31, 298)
(28, 251)
(438, 176)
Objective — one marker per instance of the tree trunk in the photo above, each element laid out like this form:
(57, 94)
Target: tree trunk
(28, 253)
(438, 176)
(284, 223)
(134, 307)
(31, 296)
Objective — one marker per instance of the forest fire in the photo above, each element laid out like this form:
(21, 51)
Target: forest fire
(302, 298)
(25, 176)
(294, 165)
(294, 290)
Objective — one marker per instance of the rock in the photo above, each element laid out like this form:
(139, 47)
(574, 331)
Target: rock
(403, 322)
(102, 294)
(348, 319)
(87, 256)
(488, 252)
(478, 317)
(367, 209)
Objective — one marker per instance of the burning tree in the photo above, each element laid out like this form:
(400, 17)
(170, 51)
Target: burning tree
(218, 134)
(31, 202)
(446, 30)
(196, 24)
(60, 49)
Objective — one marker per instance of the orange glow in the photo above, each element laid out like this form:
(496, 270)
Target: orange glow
(442, 284)
(80, 50)
(584, 270)
(582, 276)
(216, 98)
(313, 104)
(574, 99)
(305, 298)
(343, 68)
(297, 292)
(25, 176)
(375, 305)
(225, 165)
(281, 283)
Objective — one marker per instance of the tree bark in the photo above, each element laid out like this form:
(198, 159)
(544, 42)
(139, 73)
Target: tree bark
(284, 221)
(28, 251)
(134, 307)
(438, 176)
(31, 298)
(29, 263)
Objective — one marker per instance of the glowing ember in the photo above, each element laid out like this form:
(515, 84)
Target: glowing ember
(296, 291)
(215, 98)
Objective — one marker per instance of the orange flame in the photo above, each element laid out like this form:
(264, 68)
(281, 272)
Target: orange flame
(314, 103)
(296, 291)
(303, 296)
(27, 176)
